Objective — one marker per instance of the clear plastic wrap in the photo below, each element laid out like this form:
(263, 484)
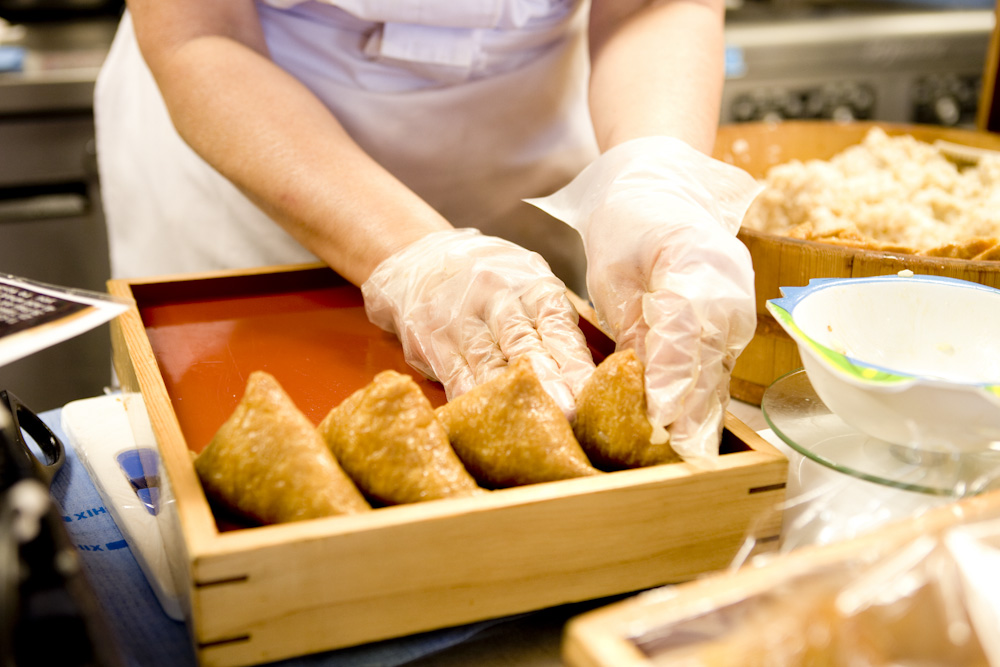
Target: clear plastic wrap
(925, 600)
(128, 476)
(464, 304)
(34, 315)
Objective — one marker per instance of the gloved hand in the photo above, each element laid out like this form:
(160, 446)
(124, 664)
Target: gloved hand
(464, 305)
(667, 275)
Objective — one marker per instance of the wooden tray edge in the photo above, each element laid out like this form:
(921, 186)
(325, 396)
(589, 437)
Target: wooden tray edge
(602, 638)
(129, 344)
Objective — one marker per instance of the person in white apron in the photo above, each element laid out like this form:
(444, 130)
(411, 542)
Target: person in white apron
(397, 141)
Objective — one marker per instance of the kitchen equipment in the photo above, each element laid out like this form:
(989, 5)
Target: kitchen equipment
(51, 221)
(901, 62)
(912, 360)
(784, 262)
(48, 612)
(255, 594)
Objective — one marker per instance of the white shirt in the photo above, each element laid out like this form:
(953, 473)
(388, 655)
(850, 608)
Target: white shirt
(474, 104)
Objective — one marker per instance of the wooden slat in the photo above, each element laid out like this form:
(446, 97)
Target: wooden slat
(988, 111)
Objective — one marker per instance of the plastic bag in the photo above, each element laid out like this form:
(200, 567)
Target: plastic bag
(34, 315)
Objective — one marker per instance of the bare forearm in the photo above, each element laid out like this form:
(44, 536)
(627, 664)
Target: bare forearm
(658, 71)
(276, 142)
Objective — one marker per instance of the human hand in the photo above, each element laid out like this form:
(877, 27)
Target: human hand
(667, 275)
(464, 305)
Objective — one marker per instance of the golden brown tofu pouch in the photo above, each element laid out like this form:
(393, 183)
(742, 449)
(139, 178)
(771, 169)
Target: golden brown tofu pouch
(267, 461)
(510, 432)
(611, 423)
(389, 441)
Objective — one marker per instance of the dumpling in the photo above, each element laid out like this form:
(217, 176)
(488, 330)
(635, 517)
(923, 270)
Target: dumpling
(267, 461)
(611, 421)
(389, 441)
(510, 432)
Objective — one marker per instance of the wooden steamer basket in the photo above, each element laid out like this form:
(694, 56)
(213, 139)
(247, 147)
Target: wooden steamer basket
(259, 594)
(783, 262)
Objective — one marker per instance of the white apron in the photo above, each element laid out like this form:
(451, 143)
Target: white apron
(474, 104)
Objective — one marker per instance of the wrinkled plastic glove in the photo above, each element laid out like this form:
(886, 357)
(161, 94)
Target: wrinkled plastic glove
(667, 275)
(464, 305)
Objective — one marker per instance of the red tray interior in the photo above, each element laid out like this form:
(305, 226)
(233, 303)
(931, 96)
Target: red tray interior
(307, 328)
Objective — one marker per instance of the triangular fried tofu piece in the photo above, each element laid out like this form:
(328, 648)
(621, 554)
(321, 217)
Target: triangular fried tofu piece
(389, 441)
(267, 461)
(510, 432)
(611, 421)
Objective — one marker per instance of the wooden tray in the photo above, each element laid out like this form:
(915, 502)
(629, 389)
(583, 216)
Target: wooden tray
(782, 262)
(648, 630)
(264, 593)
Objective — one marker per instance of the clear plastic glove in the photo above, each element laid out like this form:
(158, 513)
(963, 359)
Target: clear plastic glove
(667, 275)
(464, 305)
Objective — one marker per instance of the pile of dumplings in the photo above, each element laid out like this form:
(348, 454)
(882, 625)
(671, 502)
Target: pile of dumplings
(385, 444)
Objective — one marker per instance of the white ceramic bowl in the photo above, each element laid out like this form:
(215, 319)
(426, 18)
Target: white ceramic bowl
(912, 360)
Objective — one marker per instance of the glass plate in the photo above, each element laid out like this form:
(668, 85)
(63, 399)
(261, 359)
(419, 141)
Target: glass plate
(797, 416)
